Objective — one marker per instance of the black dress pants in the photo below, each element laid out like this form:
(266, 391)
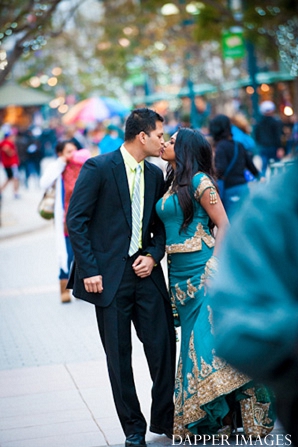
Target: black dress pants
(139, 301)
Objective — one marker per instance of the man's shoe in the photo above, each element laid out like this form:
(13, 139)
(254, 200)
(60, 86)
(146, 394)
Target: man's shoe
(162, 431)
(136, 440)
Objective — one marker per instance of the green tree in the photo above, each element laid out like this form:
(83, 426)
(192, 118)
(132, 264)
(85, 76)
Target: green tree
(120, 39)
(101, 50)
(272, 25)
(74, 51)
(26, 26)
(261, 21)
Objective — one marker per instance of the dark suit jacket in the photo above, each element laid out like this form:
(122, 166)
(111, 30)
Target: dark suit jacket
(100, 225)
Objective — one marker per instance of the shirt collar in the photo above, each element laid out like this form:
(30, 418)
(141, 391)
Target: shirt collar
(129, 160)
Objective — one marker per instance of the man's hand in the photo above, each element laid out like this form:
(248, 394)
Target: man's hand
(93, 284)
(143, 266)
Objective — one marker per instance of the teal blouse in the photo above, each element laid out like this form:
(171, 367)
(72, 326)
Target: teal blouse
(171, 214)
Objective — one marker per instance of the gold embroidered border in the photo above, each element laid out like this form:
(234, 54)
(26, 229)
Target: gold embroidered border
(255, 416)
(180, 294)
(204, 386)
(179, 428)
(179, 385)
(219, 383)
(205, 183)
(210, 319)
(191, 290)
(209, 271)
(169, 193)
(194, 243)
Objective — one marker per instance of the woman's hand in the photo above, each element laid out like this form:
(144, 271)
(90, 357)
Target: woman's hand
(143, 266)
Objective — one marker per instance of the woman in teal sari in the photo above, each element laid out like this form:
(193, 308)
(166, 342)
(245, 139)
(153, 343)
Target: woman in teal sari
(209, 392)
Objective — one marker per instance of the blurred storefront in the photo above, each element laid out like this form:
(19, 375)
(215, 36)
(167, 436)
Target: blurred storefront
(19, 104)
(278, 86)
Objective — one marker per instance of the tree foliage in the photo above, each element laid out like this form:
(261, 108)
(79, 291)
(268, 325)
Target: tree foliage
(74, 52)
(136, 36)
(120, 39)
(26, 26)
(260, 20)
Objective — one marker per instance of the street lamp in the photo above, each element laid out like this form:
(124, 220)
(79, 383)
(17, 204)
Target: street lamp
(169, 9)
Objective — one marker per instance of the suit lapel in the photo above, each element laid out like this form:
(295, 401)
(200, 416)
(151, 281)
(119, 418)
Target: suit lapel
(122, 185)
(150, 186)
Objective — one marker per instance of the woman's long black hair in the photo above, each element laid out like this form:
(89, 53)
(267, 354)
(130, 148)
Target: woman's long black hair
(193, 154)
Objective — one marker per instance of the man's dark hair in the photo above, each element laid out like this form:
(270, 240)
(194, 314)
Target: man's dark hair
(141, 120)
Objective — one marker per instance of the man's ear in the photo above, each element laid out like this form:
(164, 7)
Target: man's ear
(142, 137)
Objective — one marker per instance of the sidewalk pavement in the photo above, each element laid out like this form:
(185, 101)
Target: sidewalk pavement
(68, 404)
(20, 216)
(58, 405)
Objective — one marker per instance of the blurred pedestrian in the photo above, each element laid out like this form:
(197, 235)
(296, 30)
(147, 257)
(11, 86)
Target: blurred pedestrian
(293, 140)
(63, 173)
(118, 243)
(10, 161)
(231, 161)
(241, 131)
(77, 137)
(48, 140)
(22, 141)
(34, 154)
(255, 294)
(30, 154)
(268, 133)
(112, 140)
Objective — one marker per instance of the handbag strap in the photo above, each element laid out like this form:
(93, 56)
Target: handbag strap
(232, 162)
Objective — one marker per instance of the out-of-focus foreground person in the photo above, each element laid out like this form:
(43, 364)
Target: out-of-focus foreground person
(255, 293)
(209, 392)
(63, 173)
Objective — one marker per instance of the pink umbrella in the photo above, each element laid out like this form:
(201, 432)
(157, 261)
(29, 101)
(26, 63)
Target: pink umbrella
(88, 110)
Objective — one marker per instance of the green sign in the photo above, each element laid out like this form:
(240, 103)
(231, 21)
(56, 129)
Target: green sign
(233, 45)
(137, 78)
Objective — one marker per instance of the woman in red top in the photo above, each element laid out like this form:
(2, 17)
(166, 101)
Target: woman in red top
(10, 160)
(63, 172)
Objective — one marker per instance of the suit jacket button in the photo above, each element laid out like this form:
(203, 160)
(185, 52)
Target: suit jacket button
(124, 258)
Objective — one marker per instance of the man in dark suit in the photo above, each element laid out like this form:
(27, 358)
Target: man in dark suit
(126, 284)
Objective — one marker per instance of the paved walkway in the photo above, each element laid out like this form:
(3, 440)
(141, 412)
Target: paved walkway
(54, 388)
(20, 216)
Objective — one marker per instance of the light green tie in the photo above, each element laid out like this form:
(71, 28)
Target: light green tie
(136, 213)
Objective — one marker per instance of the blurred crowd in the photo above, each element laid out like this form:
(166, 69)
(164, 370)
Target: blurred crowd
(23, 149)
